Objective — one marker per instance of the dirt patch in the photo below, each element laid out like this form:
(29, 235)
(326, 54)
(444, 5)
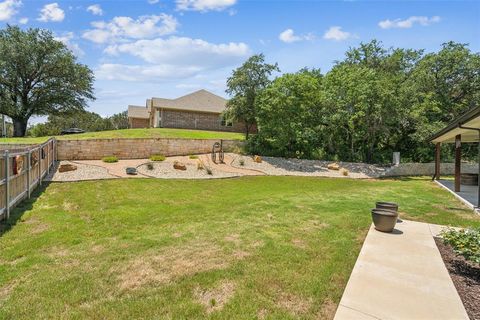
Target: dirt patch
(6, 290)
(39, 228)
(215, 299)
(466, 277)
(171, 263)
(295, 304)
(328, 309)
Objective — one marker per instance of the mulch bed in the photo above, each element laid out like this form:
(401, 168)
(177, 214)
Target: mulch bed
(465, 276)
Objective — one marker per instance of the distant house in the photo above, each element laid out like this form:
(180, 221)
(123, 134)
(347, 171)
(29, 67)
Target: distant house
(198, 110)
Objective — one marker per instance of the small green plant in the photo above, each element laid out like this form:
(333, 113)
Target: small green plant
(213, 302)
(209, 171)
(241, 162)
(157, 157)
(150, 166)
(110, 159)
(193, 156)
(464, 242)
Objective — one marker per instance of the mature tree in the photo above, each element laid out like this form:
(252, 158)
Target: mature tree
(119, 120)
(88, 121)
(289, 115)
(364, 102)
(244, 85)
(39, 76)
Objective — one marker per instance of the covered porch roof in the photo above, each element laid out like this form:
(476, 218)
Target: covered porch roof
(463, 126)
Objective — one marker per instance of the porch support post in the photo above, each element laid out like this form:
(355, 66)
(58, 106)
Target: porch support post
(458, 159)
(478, 196)
(437, 161)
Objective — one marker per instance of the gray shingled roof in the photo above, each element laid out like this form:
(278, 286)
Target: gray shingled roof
(200, 100)
(138, 112)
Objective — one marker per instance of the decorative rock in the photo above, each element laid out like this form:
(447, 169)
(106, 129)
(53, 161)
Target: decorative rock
(67, 167)
(333, 166)
(131, 170)
(257, 159)
(179, 166)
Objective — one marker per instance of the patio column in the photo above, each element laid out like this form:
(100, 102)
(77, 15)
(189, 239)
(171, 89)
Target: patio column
(437, 161)
(458, 161)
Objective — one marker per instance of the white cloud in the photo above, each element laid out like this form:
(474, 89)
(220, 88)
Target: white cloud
(120, 28)
(153, 1)
(67, 38)
(289, 36)
(172, 58)
(23, 21)
(182, 50)
(51, 12)
(336, 33)
(95, 9)
(8, 9)
(204, 5)
(409, 22)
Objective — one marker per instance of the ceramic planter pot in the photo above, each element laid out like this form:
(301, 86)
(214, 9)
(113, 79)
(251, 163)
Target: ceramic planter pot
(384, 220)
(392, 206)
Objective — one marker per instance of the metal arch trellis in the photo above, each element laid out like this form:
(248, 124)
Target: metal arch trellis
(218, 149)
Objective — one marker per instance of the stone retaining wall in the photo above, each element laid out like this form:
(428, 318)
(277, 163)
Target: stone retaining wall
(95, 149)
(428, 169)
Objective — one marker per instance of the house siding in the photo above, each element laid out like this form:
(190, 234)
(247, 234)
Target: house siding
(197, 120)
(138, 123)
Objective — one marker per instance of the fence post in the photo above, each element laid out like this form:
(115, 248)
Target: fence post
(48, 157)
(40, 166)
(7, 183)
(29, 175)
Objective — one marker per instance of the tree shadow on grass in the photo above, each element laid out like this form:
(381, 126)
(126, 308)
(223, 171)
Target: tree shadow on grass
(24, 206)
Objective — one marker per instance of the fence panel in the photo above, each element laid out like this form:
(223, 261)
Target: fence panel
(21, 171)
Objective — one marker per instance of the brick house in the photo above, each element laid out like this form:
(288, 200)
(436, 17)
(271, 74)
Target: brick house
(198, 110)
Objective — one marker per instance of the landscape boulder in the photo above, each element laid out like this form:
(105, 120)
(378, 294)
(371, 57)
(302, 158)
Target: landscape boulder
(179, 166)
(333, 166)
(67, 167)
(257, 159)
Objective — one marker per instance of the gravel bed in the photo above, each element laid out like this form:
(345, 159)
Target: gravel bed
(299, 167)
(83, 172)
(165, 170)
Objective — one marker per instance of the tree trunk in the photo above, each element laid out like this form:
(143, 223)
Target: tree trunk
(19, 127)
(247, 130)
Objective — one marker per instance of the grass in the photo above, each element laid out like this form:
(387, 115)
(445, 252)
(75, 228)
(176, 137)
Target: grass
(136, 133)
(157, 157)
(253, 247)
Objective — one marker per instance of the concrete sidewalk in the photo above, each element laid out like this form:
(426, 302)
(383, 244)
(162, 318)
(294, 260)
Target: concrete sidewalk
(401, 275)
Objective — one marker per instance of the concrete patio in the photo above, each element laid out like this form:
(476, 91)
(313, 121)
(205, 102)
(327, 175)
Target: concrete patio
(468, 194)
(401, 275)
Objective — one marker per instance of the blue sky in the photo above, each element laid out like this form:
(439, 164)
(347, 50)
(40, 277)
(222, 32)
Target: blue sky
(144, 48)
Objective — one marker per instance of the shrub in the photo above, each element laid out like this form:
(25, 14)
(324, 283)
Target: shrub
(464, 242)
(150, 166)
(209, 171)
(157, 157)
(241, 162)
(193, 156)
(110, 159)
(200, 165)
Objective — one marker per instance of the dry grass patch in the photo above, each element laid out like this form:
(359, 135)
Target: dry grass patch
(299, 243)
(328, 309)
(68, 206)
(294, 304)
(172, 263)
(215, 299)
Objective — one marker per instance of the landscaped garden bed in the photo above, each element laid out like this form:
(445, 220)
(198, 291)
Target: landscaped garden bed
(254, 247)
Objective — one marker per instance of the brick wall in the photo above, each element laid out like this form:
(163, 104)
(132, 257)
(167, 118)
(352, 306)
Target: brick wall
(95, 149)
(138, 123)
(197, 120)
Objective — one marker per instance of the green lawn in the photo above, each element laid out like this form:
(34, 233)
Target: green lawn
(137, 133)
(252, 247)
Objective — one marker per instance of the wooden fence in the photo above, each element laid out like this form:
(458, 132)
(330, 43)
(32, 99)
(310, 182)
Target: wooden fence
(21, 171)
